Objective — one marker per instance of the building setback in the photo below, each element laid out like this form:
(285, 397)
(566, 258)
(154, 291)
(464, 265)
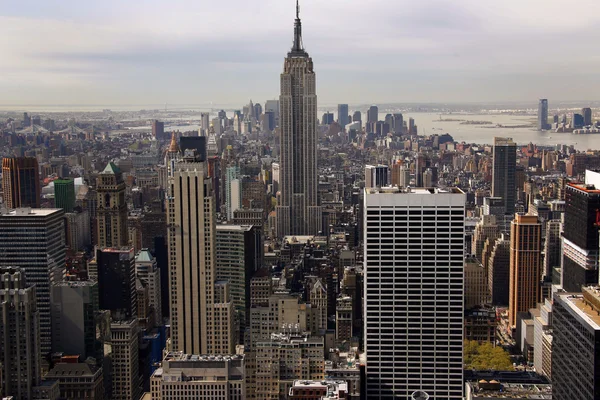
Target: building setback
(414, 255)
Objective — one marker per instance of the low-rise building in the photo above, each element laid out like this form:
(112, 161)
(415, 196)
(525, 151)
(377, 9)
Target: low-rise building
(494, 390)
(318, 390)
(78, 381)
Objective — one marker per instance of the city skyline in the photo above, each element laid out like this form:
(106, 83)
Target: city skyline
(128, 54)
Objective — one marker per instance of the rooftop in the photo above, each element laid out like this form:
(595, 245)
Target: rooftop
(409, 190)
(111, 169)
(583, 305)
(32, 212)
(239, 228)
(497, 390)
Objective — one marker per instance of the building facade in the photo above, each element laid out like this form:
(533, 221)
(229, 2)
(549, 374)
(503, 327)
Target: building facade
(21, 182)
(503, 175)
(34, 240)
(413, 299)
(298, 211)
(111, 212)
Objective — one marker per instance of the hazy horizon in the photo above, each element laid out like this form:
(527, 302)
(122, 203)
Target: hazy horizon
(227, 52)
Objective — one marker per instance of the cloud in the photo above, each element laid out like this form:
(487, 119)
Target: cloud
(231, 50)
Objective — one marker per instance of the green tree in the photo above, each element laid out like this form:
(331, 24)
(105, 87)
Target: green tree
(486, 357)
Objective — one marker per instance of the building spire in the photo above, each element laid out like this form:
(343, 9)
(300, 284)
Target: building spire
(297, 48)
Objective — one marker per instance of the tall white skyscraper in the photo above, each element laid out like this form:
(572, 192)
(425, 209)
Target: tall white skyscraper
(414, 257)
(298, 211)
(195, 329)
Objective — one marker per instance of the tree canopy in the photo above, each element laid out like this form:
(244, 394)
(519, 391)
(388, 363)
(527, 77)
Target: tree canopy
(486, 357)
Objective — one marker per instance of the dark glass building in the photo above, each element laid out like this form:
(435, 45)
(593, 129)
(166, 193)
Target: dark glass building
(116, 282)
(21, 182)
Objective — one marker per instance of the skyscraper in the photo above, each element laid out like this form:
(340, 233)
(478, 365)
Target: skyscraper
(376, 176)
(116, 282)
(158, 130)
(503, 178)
(343, 115)
(298, 212)
(543, 115)
(19, 335)
(21, 182)
(64, 194)
(112, 208)
(34, 239)
(587, 116)
(192, 258)
(414, 255)
(525, 265)
(372, 114)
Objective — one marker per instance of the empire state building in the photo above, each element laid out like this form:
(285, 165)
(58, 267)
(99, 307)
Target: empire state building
(298, 210)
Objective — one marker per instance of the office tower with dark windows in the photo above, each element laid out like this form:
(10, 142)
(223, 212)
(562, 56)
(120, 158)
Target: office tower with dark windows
(525, 265)
(580, 237)
(298, 210)
(116, 282)
(111, 212)
(575, 345)
(19, 336)
(542, 124)
(372, 114)
(498, 265)
(587, 116)
(343, 115)
(21, 182)
(158, 130)
(503, 175)
(64, 194)
(398, 127)
(376, 176)
(414, 261)
(34, 240)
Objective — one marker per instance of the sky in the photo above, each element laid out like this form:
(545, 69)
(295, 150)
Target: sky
(115, 52)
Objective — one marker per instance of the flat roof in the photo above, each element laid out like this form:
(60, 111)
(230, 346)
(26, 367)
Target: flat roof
(582, 308)
(31, 212)
(409, 190)
(240, 228)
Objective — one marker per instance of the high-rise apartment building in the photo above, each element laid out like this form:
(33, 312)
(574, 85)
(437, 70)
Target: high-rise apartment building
(503, 177)
(192, 259)
(74, 306)
(239, 256)
(343, 115)
(124, 343)
(580, 238)
(19, 336)
(525, 265)
(64, 194)
(575, 345)
(543, 115)
(34, 240)
(400, 175)
(203, 377)
(21, 182)
(158, 130)
(298, 211)
(111, 213)
(414, 256)
(116, 282)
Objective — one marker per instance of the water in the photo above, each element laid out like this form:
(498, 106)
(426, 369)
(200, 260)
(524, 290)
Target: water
(429, 123)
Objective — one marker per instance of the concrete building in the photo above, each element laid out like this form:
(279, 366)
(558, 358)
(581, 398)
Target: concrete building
(494, 390)
(503, 174)
(78, 381)
(343, 115)
(19, 335)
(476, 284)
(480, 325)
(376, 176)
(233, 191)
(126, 383)
(400, 175)
(78, 230)
(542, 340)
(111, 208)
(575, 342)
(239, 256)
(34, 240)
(21, 182)
(203, 377)
(74, 305)
(192, 259)
(525, 265)
(298, 211)
(410, 234)
(284, 358)
(344, 318)
(486, 228)
(542, 123)
(146, 270)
